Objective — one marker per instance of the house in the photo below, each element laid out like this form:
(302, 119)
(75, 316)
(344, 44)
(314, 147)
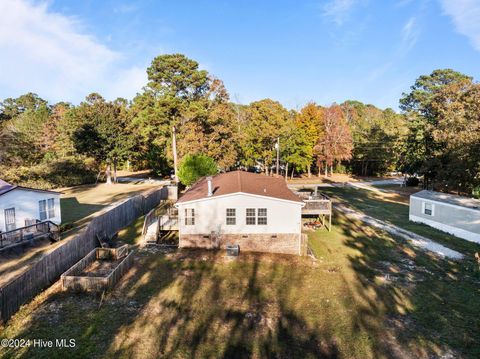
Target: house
(257, 212)
(22, 206)
(453, 214)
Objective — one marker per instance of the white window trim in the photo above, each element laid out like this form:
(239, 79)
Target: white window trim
(40, 211)
(265, 216)
(51, 209)
(189, 215)
(249, 217)
(234, 217)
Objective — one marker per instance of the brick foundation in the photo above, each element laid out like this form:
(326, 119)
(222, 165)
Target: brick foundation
(285, 243)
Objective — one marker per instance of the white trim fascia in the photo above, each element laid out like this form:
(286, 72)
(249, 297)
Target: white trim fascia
(445, 204)
(457, 232)
(237, 193)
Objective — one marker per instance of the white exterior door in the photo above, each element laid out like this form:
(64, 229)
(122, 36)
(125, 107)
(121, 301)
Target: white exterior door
(10, 219)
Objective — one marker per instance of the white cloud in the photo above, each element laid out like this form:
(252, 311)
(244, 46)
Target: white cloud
(125, 8)
(465, 15)
(338, 10)
(47, 53)
(410, 34)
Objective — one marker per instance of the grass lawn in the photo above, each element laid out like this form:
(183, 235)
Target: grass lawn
(406, 191)
(366, 296)
(393, 208)
(77, 203)
(336, 178)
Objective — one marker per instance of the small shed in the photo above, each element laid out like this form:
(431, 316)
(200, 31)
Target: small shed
(449, 213)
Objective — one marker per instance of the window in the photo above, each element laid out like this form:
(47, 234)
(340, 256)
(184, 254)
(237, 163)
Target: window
(51, 207)
(10, 219)
(262, 216)
(189, 216)
(428, 209)
(250, 216)
(42, 207)
(231, 216)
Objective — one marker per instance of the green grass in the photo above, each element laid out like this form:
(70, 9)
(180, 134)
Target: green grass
(73, 210)
(77, 203)
(133, 233)
(201, 304)
(394, 212)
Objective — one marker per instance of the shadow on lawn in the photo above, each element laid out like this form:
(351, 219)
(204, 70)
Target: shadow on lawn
(429, 304)
(210, 315)
(186, 305)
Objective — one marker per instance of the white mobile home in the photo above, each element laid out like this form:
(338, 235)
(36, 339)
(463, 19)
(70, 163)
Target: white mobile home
(453, 214)
(22, 206)
(256, 212)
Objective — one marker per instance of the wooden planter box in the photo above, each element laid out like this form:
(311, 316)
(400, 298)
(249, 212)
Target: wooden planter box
(77, 278)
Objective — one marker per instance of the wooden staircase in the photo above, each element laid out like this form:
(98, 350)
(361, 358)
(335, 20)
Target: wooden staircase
(156, 223)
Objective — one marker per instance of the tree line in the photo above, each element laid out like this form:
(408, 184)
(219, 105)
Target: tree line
(436, 135)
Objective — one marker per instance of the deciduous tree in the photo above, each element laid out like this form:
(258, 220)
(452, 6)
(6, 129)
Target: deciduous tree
(336, 142)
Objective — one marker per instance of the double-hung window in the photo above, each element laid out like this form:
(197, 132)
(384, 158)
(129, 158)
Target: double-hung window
(51, 207)
(250, 218)
(189, 216)
(42, 208)
(262, 216)
(46, 208)
(231, 216)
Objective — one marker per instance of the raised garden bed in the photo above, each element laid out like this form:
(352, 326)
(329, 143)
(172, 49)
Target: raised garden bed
(99, 270)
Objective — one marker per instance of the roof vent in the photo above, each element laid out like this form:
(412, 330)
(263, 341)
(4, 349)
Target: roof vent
(210, 190)
(265, 190)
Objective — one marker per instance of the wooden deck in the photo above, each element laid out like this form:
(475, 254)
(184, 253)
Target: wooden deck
(317, 204)
(31, 232)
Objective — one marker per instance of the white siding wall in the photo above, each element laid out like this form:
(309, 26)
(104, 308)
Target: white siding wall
(210, 215)
(459, 221)
(26, 206)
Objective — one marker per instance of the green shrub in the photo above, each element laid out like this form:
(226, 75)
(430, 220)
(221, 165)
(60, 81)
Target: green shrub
(476, 192)
(193, 167)
(340, 168)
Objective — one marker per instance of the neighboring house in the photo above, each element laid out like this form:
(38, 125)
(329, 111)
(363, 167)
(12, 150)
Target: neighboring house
(453, 214)
(21, 206)
(257, 212)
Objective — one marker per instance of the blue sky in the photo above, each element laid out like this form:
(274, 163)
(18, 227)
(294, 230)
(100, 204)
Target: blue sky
(291, 51)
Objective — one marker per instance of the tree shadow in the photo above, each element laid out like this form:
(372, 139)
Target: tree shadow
(198, 303)
(191, 303)
(425, 300)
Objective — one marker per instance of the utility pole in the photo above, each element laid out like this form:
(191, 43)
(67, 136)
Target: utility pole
(174, 149)
(277, 146)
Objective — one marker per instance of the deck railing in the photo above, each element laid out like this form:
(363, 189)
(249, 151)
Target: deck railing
(26, 233)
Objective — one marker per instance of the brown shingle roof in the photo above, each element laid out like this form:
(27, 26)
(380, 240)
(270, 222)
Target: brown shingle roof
(240, 181)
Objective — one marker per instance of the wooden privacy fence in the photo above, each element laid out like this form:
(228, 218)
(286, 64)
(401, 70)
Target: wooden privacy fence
(49, 268)
(303, 245)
